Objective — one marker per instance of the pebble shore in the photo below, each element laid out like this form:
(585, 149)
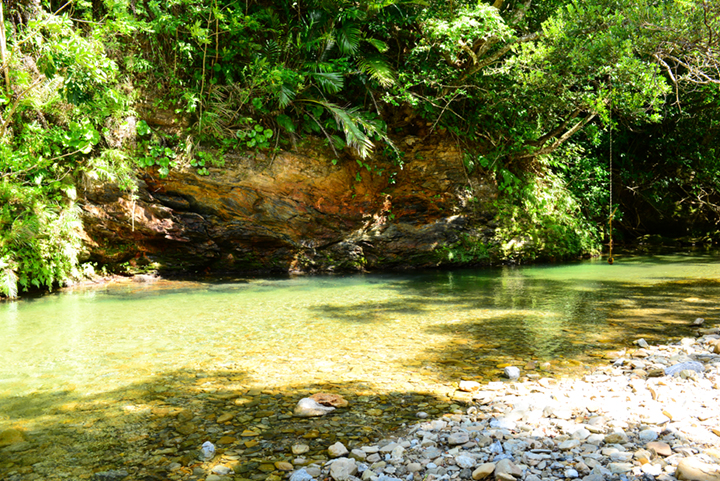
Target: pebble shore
(652, 413)
(648, 412)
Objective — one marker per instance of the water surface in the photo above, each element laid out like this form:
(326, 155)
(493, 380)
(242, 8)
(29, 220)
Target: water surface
(375, 329)
(99, 378)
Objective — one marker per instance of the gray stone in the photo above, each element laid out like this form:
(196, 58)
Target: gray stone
(111, 475)
(413, 467)
(560, 412)
(358, 454)
(458, 437)
(660, 448)
(684, 366)
(506, 466)
(388, 448)
(647, 435)
(652, 469)
(503, 423)
(694, 469)
(313, 471)
(338, 449)
(569, 444)
(616, 437)
(483, 471)
(581, 434)
(620, 468)
(301, 475)
(387, 478)
(465, 462)
(342, 468)
(512, 372)
(373, 458)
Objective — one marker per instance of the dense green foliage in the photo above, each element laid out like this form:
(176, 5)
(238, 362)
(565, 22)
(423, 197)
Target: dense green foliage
(535, 90)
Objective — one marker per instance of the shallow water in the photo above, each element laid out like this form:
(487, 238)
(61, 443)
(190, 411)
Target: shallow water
(375, 330)
(138, 375)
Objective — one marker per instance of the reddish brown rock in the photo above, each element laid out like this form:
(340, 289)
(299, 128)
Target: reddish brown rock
(327, 399)
(296, 212)
(660, 448)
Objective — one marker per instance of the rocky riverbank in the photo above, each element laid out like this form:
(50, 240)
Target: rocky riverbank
(650, 412)
(653, 413)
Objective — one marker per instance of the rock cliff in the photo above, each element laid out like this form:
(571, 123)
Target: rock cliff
(297, 212)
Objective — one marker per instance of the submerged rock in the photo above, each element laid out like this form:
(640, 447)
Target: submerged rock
(111, 475)
(11, 436)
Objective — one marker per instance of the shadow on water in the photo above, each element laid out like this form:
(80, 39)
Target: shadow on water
(547, 325)
(540, 336)
(145, 427)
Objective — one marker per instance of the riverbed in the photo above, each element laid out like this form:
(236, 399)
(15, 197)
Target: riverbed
(137, 373)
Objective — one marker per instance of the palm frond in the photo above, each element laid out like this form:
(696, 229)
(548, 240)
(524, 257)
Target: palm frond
(285, 95)
(348, 38)
(271, 50)
(329, 82)
(378, 69)
(357, 128)
(381, 46)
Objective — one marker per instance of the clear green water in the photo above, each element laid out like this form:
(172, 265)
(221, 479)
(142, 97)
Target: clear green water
(378, 333)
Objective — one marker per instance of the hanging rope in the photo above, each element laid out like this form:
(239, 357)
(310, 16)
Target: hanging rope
(612, 213)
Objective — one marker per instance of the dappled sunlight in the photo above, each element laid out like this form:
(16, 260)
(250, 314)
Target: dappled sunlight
(146, 426)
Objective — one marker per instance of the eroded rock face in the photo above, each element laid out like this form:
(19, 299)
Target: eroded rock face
(297, 212)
